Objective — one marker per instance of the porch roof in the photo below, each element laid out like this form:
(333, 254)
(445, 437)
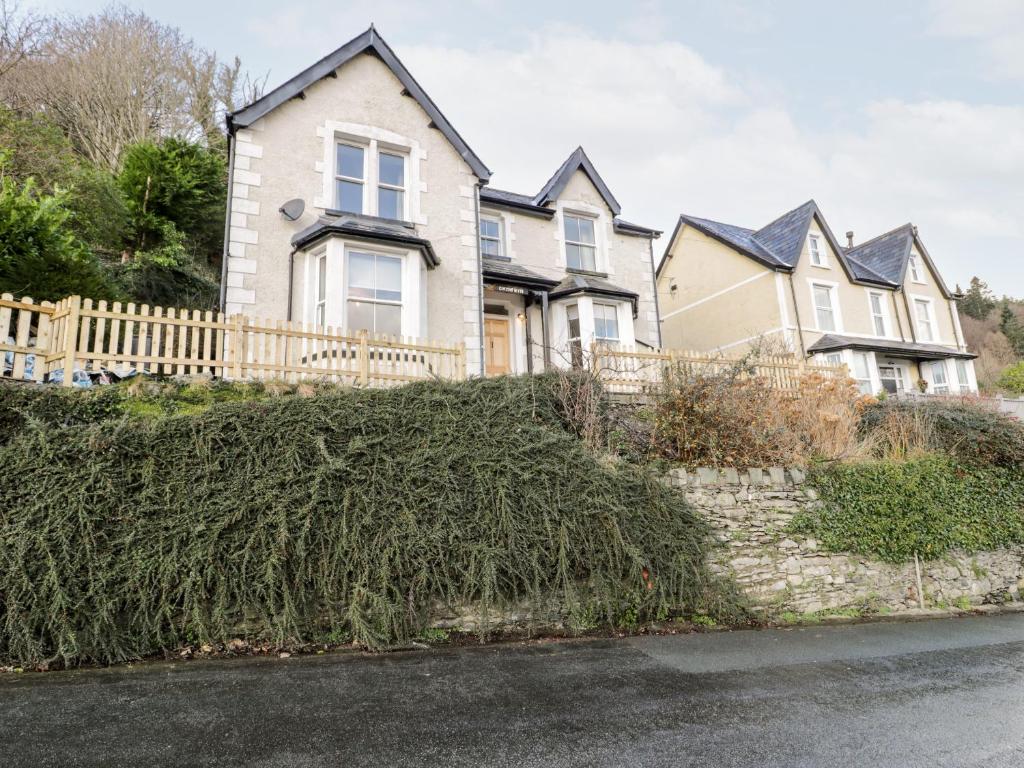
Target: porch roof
(369, 229)
(913, 350)
(507, 273)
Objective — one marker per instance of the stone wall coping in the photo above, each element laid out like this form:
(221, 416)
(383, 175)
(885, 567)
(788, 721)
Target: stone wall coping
(720, 477)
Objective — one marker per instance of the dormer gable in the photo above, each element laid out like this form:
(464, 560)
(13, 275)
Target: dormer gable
(369, 42)
(576, 163)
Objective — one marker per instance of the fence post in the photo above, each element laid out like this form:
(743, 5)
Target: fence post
(595, 363)
(71, 338)
(364, 357)
(238, 347)
(460, 361)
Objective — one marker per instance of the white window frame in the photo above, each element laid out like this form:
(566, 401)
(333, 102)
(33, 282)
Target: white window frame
(500, 239)
(963, 376)
(865, 383)
(374, 140)
(363, 182)
(946, 387)
(401, 282)
(614, 310)
(320, 289)
(914, 268)
(837, 315)
(883, 304)
(402, 189)
(594, 221)
(815, 247)
(900, 378)
(933, 326)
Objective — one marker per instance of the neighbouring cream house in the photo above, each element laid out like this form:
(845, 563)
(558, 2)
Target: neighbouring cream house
(880, 307)
(355, 204)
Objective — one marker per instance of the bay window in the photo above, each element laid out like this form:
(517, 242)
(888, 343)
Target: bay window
(940, 379)
(320, 310)
(961, 374)
(580, 243)
(374, 293)
(862, 372)
(572, 313)
(606, 322)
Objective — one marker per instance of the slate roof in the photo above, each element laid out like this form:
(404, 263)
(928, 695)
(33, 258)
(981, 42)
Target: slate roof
(503, 198)
(885, 255)
(577, 283)
(577, 161)
(368, 228)
(880, 261)
(832, 342)
(369, 41)
(515, 274)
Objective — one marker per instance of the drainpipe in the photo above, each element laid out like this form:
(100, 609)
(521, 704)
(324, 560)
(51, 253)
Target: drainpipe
(899, 322)
(291, 281)
(545, 333)
(227, 221)
(654, 285)
(480, 276)
(910, 318)
(796, 315)
(960, 343)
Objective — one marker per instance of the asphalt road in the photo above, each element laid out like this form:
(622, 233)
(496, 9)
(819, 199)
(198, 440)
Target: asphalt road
(937, 693)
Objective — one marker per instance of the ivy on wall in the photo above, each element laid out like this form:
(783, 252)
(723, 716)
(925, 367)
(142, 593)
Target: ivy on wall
(929, 505)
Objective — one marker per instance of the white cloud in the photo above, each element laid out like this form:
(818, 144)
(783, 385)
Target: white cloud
(672, 132)
(997, 26)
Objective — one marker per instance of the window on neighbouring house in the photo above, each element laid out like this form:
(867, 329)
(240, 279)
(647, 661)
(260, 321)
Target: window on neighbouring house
(961, 374)
(391, 186)
(915, 269)
(606, 322)
(892, 378)
(580, 243)
(923, 312)
(490, 236)
(374, 293)
(823, 308)
(862, 372)
(572, 313)
(349, 178)
(878, 314)
(320, 312)
(818, 258)
(940, 379)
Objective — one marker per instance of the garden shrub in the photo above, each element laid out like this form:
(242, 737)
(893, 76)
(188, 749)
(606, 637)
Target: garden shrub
(733, 418)
(931, 504)
(966, 430)
(351, 513)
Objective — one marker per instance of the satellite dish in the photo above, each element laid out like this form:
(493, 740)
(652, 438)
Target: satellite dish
(293, 209)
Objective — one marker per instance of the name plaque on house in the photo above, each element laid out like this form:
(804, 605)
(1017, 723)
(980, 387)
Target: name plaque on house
(508, 289)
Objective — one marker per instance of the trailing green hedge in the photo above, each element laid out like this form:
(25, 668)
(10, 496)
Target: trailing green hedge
(929, 505)
(973, 434)
(313, 518)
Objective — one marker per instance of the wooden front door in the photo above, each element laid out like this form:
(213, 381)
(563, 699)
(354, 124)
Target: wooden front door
(497, 346)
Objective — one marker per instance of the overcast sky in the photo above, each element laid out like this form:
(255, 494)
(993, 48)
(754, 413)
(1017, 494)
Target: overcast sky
(884, 112)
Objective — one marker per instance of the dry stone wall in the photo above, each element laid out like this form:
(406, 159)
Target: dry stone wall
(749, 511)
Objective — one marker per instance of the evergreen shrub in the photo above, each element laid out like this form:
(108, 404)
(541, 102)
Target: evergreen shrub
(347, 514)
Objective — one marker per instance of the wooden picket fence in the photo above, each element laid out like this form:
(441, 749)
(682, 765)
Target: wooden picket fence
(628, 370)
(37, 340)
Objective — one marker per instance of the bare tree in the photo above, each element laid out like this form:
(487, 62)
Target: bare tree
(118, 77)
(20, 35)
